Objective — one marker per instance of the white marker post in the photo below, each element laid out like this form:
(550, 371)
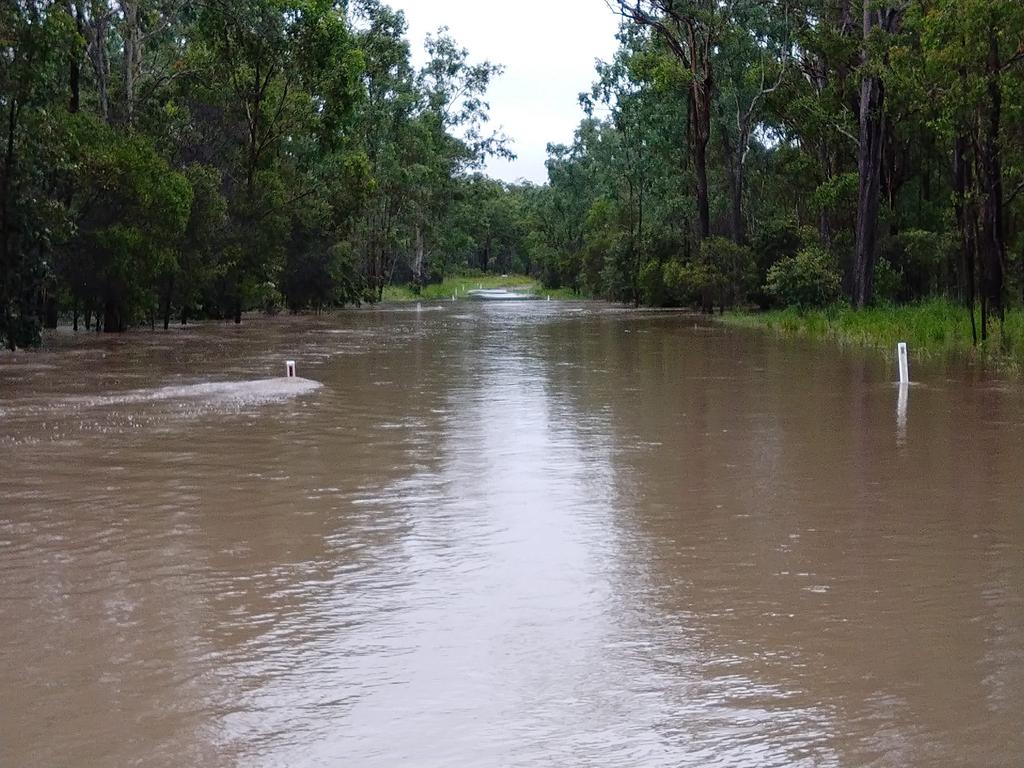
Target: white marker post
(901, 354)
(289, 368)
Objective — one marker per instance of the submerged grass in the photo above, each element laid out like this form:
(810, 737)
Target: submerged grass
(937, 327)
(458, 285)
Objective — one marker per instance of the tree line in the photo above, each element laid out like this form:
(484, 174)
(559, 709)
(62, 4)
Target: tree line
(797, 152)
(169, 159)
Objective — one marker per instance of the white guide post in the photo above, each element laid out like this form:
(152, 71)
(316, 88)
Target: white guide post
(289, 368)
(901, 355)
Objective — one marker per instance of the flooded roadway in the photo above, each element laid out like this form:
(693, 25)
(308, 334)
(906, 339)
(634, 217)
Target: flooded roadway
(531, 534)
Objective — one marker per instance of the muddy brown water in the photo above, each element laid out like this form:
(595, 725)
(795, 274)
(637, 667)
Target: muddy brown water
(532, 534)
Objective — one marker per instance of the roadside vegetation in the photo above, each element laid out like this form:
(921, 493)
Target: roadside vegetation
(933, 328)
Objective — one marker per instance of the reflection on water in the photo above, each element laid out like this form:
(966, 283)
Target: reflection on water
(901, 413)
(505, 535)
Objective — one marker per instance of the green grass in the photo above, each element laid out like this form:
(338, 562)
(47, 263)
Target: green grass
(937, 327)
(458, 285)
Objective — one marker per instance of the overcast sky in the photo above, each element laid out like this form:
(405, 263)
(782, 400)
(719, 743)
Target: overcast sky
(548, 49)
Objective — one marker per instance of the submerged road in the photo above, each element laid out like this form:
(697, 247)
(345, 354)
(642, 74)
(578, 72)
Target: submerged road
(523, 534)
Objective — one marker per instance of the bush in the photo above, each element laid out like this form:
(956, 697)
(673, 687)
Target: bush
(688, 283)
(652, 285)
(733, 270)
(808, 279)
(888, 282)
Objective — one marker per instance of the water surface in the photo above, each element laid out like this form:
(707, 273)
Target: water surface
(522, 534)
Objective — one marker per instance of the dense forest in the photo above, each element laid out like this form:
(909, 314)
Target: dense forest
(171, 159)
(798, 153)
(168, 159)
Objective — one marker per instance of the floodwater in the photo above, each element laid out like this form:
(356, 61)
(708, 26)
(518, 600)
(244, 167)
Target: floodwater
(530, 534)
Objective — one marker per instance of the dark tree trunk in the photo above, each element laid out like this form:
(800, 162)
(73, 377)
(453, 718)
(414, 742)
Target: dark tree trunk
(51, 316)
(701, 130)
(869, 167)
(74, 315)
(75, 74)
(184, 314)
(737, 224)
(167, 302)
(113, 322)
(965, 219)
(6, 268)
(992, 241)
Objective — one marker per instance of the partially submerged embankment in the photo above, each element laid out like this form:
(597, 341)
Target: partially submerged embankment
(933, 328)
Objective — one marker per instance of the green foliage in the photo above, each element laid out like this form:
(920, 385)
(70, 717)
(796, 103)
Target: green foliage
(732, 270)
(691, 283)
(210, 158)
(888, 282)
(931, 328)
(130, 211)
(807, 280)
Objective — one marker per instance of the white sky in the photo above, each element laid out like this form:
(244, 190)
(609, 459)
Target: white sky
(548, 49)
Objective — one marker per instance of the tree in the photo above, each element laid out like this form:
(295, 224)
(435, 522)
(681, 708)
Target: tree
(36, 38)
(879, 24)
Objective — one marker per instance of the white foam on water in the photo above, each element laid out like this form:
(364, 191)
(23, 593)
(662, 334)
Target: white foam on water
(218, 394)
(227, 392)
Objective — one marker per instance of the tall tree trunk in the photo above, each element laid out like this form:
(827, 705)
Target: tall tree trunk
(7, 269)
(734, 179)
(113, 322)
(51, 314)
(417, 266)
(169, 292)
(96, 35)
(869, 167)
(965, 219)
(75, 74)
(992, 241)
(132, 36)
(700, 116)
(738, 226)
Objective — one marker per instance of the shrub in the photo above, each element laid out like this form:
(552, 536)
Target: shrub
(652, 285)
(733, 269)
(688, 283)
(888, 282)
(808, 279)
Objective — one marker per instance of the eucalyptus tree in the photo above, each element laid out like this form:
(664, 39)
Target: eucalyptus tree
(37, 37)
(974, 70)
(280, 70)
(880, 23)
(692, 30)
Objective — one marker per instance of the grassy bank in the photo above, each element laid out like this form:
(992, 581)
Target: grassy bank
(933, 328)
(458, 285)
